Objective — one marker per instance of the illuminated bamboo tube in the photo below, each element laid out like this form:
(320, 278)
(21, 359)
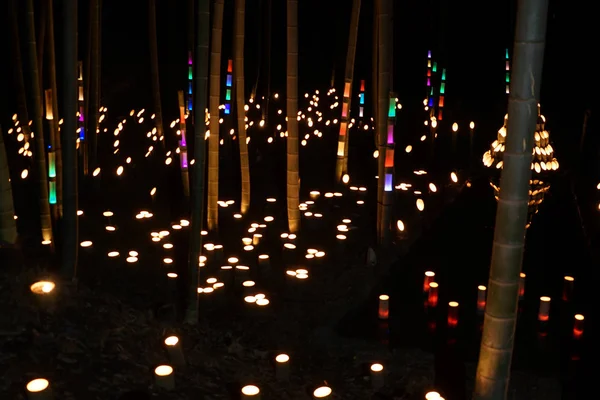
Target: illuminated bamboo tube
(453, 314)
(44, 292)
(377, 376)
(429, 275)
(544, 312)
(164, 377)
(433, 396)
(522, 277)
(322, 392)
(241, 275)
(481, 297)
(289, 254)
(432, 298)
(175, 351)
(256, 238)
(578, 326)
(39, 389)
(282, 367)
(264, 263)
(383, 311)
(250, 392)
(569, 282)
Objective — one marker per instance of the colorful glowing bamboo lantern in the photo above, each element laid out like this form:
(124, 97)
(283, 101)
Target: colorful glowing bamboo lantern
(544, 312)
(81, 122)
(432, 297)
(389, 151)
(569, 282)
(429, 73)
(442, 94)
(51, 150)
(522, 277)
(507, 69)
(228, 84)
(429, 275)
(361, 99)
(578, 326)
(452, 314)
(183, 156)
(481, 298)
(341, 151)
(431, 101)
(190, 97)
(383, 311)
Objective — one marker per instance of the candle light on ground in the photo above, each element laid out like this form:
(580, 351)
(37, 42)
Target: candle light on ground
(38, 389)
(377, 380)
(164, 377)
(282, 367)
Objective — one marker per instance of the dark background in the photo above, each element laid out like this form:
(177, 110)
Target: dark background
(472, 34)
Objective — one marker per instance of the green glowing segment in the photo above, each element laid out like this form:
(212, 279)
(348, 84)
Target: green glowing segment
(506, 55)
(444, 74)
(392, 109)
(190, 75)
(431, 93)
(52, 165)
(507, 77)
(228, 95)
(52, 197)
(434, 69)
(443, 88)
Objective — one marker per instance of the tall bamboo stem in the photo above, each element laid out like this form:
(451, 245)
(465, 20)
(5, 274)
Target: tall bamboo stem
(68, 137)
(56, 128)
(43, 18)
(293, 175)
(238, 70)
(40, 148)
(8, 225)
(500, 321)
(154, 69)
(201, 81)
(215, 96)
(383, 91)
(18, 71)
(94, 77)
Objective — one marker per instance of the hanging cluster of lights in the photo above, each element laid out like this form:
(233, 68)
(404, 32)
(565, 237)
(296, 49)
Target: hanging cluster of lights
(389, 150)
(429, 96)
(51, 151)
(81, 120)
(442, 93)
(543, 161)
(361, 99)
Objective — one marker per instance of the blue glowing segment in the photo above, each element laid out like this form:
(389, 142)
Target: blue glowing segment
(361, 98)
(388, 186)
(430, 104)
(82, 133)
(190, 88)
(228, 83)
(227, 109)
(190, 104)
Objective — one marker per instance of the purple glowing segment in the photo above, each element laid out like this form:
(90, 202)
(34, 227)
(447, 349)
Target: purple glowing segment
(428, 82)
(189, 58)
(428, 53)
(389, 185)
(182, 142)
(184, 160)
(390, 134)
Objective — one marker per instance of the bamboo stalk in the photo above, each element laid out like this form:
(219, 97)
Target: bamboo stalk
(8, 225)
(69, 79)
(215, 92)
(43, 18)
(200, 91)
(497, 342)
(383, 91)
(293, 175)
(40, 148)
(238, 70)
(56, 129)
(94, 77)
(18, 71)
(155, 70)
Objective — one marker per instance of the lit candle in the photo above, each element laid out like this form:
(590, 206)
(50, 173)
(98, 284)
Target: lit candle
(521, 285)
(544, 313)
(377, 379)
(452, 314)
(322, 392)
(429, 275)
(174, 350)
(250, 392)
(164, 377)
(39, 389)
(578, 326)
(481, 292)
(384, 307)
(282, 367)
(432, 298)
(568, 288)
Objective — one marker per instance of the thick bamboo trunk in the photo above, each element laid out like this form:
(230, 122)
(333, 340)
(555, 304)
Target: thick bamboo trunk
(43, 18)
(69, 79)
(238, 70)
(18, 71)
(343, 139)
(493, 369)
(375, 62)
(154, 69)
(293, 175)
(201, 81)
(215, 96)
(383, 91)
(8, 225)
(40, 148)
(94, 77)
(56, 130)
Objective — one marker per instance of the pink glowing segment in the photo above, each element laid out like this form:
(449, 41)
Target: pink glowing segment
(184, 160)
(390, 135)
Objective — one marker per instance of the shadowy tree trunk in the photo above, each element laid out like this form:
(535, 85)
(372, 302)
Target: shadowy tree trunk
(8, 225)
(293, 174)
(198, 187)
(42, 22)
(40, 148)
(238, 70)
(342, 155)
(154, 69)
(215, 96)
(94, 77)
(497, 342)
(68, 137)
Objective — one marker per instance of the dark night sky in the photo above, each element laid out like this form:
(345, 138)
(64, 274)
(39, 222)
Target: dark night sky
(474, 34)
